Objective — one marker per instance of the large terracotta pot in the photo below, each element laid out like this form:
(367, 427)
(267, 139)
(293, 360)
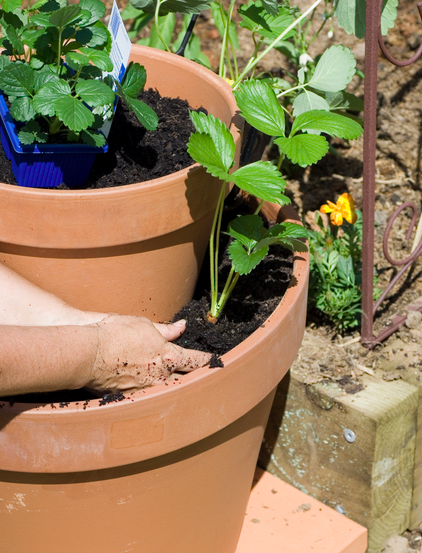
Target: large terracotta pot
(134, 249)
(166, 470)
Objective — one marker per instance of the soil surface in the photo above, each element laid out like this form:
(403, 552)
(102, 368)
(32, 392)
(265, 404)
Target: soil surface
(134, 154)
(254, 298)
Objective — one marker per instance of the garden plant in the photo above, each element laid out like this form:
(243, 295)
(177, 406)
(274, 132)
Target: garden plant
(51, 71)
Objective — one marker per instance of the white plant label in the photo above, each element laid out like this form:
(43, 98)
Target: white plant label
(120, 49)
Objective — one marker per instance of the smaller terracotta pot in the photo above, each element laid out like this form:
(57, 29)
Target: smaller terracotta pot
(134, 249)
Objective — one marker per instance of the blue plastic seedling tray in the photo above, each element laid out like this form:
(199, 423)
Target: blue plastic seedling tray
(45, 165)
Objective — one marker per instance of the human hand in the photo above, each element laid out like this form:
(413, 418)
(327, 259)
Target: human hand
(134, 353)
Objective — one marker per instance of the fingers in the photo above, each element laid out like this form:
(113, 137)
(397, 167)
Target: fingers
(171, 331)
(184, 360)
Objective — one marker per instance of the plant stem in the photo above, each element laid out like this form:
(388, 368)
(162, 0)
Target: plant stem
(224, 48)
(214, 247)
(225, 294)
(156, 16)
(252, 64)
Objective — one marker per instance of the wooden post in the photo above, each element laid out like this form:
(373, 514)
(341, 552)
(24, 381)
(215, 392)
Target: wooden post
(354, 452)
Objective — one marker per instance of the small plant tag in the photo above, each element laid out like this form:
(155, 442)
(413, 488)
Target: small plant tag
(120, 49)
(119, 55)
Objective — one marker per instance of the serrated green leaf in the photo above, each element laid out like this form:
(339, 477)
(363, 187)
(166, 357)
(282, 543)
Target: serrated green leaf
(271, 6)
(343, 100)
(307, 101)
(278, 234)
(29, 37)
(334, 70)
(22, 109)
(37, 5)
(14, 40)
(134, 80)
(246, 229)
(92, 36)
(294, 245)
(62, 17)
(220, 135)
(166, 25)
(4, 62)
(31, 132)
(43, 76)
(36, 63)
(11, 5)
(260, 107)
(99, 58)
(94, 93)
(93, 138)
(91, 72)
(44, 100)
(50, 6)
(41, 20)
(202, 149)
(17, 80)
(256, 18)
(327, 122)
(242, 261)
(73, 113)
(179, 6)
(262, 179)
(351, 15)
(220, 26)
(95, 7)
(303, 149)
(146, 116)
(75, 60)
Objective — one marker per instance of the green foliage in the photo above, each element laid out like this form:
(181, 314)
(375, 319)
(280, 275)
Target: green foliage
(55, 55)
(336, 272)
(163, 26)
(351, 15)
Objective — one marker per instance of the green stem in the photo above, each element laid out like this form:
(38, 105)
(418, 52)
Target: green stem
(59, 51)
(321, 27)
(252, 64)
(225, 294)
(156, 16)
(214, 247)
(224, 49)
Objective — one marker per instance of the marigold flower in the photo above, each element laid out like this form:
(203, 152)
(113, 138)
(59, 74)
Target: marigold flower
(344, 208)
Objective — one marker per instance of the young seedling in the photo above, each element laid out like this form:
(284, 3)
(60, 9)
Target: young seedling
(213, 146)
(52, 67)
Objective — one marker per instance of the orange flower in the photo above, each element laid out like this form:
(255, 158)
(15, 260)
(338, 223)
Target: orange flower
(343, 209)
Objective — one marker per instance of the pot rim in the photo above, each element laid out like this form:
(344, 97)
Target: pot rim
(169, 180)
(298, 284)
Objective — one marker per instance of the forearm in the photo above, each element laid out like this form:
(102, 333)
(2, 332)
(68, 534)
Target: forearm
(41, 359)
(23, 303)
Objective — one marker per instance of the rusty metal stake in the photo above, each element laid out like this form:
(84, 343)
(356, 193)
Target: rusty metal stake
(373, 38)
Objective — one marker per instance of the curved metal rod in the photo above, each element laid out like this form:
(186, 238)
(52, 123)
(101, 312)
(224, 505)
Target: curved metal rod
(391, 221)
(404, 263)
(390, 58)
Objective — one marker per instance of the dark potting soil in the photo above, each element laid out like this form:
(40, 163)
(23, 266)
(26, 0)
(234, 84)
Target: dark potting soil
(135, 154)
(254, 299)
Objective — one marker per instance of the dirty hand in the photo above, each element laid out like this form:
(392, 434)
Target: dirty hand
(134, 353)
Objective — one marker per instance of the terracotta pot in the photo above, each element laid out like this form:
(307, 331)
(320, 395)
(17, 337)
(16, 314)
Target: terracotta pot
(134, 249)
(166, 470)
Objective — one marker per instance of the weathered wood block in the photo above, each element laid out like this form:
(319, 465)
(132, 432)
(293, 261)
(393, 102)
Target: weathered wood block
(353, 452)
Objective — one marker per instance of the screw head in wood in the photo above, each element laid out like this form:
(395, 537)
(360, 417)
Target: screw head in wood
(349, 436)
